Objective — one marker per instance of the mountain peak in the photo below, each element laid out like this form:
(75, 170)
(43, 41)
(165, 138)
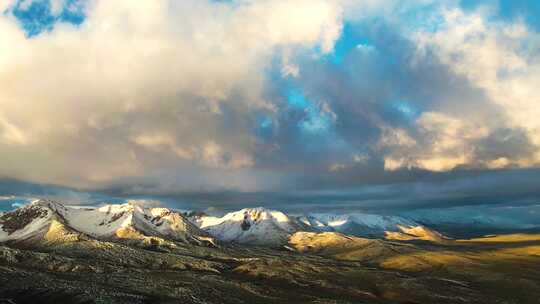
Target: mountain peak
(47, 203)
(260, 213)
(124, 221)
(259, 226)
(40, 221)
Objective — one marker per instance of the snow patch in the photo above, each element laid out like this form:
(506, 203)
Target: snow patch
(255, 226)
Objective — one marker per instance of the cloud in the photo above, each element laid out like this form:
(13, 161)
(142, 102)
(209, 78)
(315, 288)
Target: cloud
(500, 58)
(6, 5)
(437, 94)
(446, 143)
(11, 134)
(109, 99)
(271, 96)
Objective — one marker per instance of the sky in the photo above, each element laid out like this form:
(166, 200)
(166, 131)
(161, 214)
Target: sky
(324, 104)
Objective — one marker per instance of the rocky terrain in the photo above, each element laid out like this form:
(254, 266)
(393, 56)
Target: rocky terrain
(51, 253)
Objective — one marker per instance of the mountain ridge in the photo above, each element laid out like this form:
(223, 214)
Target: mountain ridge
(40, 220)
(50, 221)
(264, 226)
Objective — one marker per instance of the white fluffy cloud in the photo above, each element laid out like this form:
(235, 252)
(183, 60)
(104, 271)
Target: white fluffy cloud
(498, 58)
(446, 143)
(137, 88)
(166, 95)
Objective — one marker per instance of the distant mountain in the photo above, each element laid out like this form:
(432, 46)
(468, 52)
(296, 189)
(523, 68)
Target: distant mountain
(268, 227)
(51, 221)
(258, 226)
(371, 226)
(415, 233)
(475, 221)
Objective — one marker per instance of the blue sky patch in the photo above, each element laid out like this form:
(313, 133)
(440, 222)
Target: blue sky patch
(315, 120)
(349, 41)
(297, 100)
(406, 109)
(316, 123)
(265, 127)
(38, 16)
(510, 10)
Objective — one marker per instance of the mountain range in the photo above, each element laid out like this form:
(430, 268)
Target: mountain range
(269, 227)
(50, 221)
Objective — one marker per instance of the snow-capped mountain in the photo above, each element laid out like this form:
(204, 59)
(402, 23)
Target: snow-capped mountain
(50, 221)
(268, 227)
(372, 226)
(33, 222)
(257, 226)
(358, 224)
(44, 220)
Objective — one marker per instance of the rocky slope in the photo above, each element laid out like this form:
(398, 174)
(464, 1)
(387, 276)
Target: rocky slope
(49, 221)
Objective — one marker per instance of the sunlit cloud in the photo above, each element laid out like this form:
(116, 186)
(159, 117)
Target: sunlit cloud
(168, 97)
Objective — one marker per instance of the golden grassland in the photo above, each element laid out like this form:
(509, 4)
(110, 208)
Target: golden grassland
(506, 266)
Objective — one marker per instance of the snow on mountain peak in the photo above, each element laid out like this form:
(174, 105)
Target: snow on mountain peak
(258, 226)
(42, 219)
(370, 225)
(122, 220)
(262, 226)
(125, 221)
